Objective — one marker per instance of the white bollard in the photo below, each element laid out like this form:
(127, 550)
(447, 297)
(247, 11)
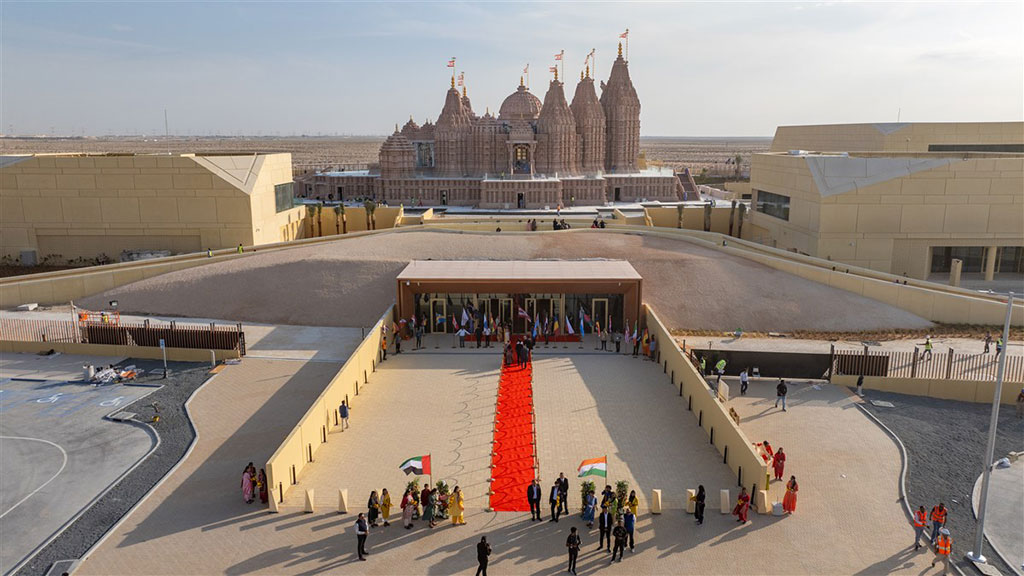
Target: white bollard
(726, 502)
(763, 507)
(309, 501)
(656, 501)
(343, 501)
(691, 505)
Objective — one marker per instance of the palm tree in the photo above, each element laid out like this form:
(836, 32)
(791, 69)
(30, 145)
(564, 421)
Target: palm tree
(707, 217)
(319, 220)
(339, 219)
(311, 213)
(370, 206)
(732, 216)
(740, 214)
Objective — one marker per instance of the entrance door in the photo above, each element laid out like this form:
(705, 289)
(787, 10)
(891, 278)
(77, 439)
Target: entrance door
(438, 309)
(556, 312)
(483, 306)
(618, 194)
(505, 311)
(444, 197)
(599, 307)
(520, 200)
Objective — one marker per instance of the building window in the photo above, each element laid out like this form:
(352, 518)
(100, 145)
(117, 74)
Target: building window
(775, 205)
(283, 198)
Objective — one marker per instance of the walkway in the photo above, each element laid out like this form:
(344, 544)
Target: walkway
(514, 448)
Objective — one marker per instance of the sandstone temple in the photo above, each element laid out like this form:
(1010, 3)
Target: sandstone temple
(531, 155)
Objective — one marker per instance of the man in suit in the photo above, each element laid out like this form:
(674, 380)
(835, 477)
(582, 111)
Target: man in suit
(362, 529)
(533, 495)
(604, 524)
(554, 499)
(563, 492)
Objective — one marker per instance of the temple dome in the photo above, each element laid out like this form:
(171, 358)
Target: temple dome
(520, 105)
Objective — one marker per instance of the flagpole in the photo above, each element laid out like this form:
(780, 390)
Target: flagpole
(627, 45)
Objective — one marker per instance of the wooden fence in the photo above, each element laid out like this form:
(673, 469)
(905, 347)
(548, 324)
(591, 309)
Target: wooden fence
(948, 365)
(174, 334)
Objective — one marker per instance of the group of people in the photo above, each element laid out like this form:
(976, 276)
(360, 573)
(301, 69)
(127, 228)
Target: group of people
(940, 537)
(436, 506)
(519, 353)
(254, 484)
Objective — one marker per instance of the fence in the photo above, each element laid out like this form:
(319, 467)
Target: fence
(299, 448)
(935, 366)
(174, 334)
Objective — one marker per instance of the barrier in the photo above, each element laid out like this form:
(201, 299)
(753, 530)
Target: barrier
(962, 390)
(147, 352)
(712, 414)
(298, 450)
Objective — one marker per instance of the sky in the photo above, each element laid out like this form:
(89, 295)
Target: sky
(700, 68)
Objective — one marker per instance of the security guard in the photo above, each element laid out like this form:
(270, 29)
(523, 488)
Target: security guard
(943, 546)
(920, 523)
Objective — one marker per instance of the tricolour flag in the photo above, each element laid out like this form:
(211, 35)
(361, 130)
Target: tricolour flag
(594, 467)
(417, 465)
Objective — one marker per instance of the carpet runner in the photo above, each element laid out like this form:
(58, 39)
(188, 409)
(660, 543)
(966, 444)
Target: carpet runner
(513, 448)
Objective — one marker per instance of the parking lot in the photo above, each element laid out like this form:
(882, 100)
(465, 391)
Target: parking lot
(57, 452)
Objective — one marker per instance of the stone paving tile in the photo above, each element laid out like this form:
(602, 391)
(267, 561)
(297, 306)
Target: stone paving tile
(586, 402)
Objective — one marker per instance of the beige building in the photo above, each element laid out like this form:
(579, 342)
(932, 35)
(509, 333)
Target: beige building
(69, 206)
(851, 194)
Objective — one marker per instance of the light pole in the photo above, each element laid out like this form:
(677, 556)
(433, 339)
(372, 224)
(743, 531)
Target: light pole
(977, 556)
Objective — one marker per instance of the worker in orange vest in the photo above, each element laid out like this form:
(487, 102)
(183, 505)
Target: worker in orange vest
(920, 523)
(938, 520)
(943, 546)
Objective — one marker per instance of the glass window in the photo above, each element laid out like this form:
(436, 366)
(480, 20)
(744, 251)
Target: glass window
(283, 197)
(775, 205)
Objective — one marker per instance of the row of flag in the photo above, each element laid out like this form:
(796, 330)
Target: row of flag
(420, 465)
(558, 58)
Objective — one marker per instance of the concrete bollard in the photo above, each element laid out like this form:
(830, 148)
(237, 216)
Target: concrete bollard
(309, 501)
(273, 501)
(726, 502)
(656, 501)
(691, 505)
(343, 501)
(762, 502)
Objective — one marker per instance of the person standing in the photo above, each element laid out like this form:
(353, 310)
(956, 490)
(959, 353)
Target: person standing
(429, 506)
(742, 506)
(419, 336)
(927, 348)
(780, 394)
(779, 463)
(999, 346)
(633, 503)
(920, 523)
(629, 523)
(636, 346)
(619, 533)
(860, 385)
(943, 546)
(743, 381)
(938, 518)
(240, 249)
(554, 500)
(343, 414)
(988, 342)
(719, 370)
(617, 338)
(373, 508)
(573, 543)
(563, 493)
(604, 526)
(698, 506)
(408, 509)
(604, 339)
(479, 333)
(487, 336)
(653, 347)
(457, 507)
(789, 500)
(385, 506)
(383, 346)
(362, 529)
(262, 483)
(483, 550)
(247, 484)
(589, 508)
(462, 333)
(703, 366)
(533, 496)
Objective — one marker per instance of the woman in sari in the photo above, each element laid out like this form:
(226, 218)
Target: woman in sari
(408, 508)
(261, 480)
(589, 505)
(789, 500)
(456, 507)
(779, 463)
(247, 485)
(373, 508)
(742, 506)
(385, 506)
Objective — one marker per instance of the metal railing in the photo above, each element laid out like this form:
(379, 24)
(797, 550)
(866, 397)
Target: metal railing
(147, 333)
(926, 365)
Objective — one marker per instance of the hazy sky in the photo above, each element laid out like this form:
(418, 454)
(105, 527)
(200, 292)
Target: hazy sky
(701, 69)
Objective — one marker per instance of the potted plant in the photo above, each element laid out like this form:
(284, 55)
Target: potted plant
(414, 485)
(442, 499)
(621, 492)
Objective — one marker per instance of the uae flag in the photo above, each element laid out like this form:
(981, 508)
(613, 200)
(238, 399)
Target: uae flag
(594, 467)
(419, 465)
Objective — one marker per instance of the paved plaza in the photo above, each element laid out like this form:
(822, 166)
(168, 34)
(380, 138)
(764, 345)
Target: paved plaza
(441, 401)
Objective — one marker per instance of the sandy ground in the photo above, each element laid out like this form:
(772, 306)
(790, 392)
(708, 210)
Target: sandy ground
(351, 281)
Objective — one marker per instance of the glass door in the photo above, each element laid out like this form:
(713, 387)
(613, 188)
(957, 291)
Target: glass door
(599, 309)
(505, 311)
(438, 316)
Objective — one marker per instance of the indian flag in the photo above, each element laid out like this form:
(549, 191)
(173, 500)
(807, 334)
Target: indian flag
(594, 467)
(419, 465)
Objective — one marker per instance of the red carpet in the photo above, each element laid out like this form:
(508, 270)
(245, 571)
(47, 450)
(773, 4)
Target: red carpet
(513, 445)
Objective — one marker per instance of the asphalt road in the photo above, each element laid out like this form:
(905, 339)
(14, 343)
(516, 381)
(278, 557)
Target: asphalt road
(57, 454)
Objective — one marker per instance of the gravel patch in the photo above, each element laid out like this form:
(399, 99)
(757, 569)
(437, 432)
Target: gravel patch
(349, 282)
(176, 434)
(945, 441)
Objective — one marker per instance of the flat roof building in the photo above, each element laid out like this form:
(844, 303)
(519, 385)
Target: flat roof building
(952, 197)
(551, 295)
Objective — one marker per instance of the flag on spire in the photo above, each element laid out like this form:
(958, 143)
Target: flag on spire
(451, 63)
(624, 34)
(552, 68)
(559, 55)
(526, 70)
(462, 78)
